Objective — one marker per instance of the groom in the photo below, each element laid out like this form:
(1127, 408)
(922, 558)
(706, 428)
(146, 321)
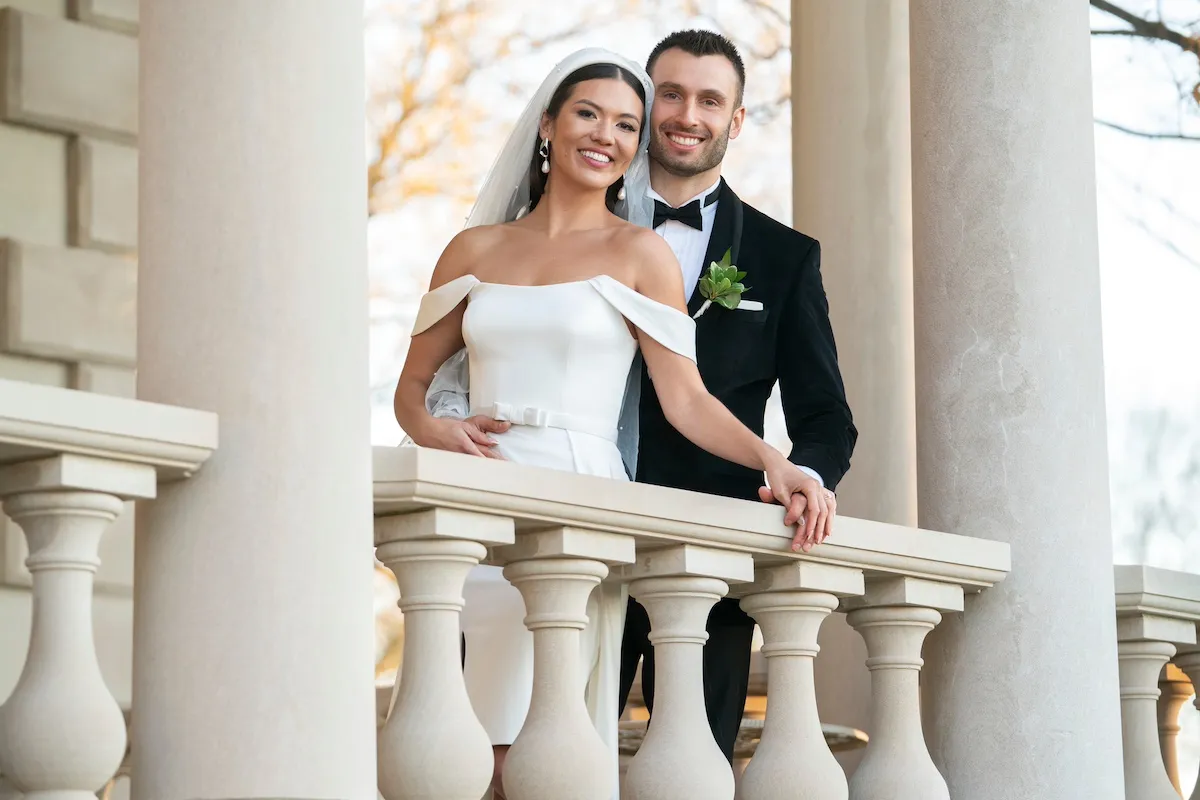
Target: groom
(699, 80)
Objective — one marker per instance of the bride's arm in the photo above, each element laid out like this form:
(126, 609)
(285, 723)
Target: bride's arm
(703, 419)
(427, 351)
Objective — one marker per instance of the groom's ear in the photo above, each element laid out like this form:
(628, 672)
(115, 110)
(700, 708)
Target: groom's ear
(735, 125)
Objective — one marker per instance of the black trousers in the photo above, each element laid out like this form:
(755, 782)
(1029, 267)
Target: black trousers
(726, 665)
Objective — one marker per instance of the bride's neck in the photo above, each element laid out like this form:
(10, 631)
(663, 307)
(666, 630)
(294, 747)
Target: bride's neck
(567, 209)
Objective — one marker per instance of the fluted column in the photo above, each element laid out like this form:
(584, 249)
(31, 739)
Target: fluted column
(1011, 438)
(792, 760)
(1140, 664)
(1175, 690)
(1189, 663)
(62, 735)
(253, 664)
(896, 765)
(679, 758)
(558, 752)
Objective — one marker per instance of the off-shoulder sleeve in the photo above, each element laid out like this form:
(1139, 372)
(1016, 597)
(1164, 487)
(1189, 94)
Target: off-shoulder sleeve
(441, 301)
(669, 327)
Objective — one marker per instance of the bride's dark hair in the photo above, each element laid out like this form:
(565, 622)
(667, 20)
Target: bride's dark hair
(591, 72)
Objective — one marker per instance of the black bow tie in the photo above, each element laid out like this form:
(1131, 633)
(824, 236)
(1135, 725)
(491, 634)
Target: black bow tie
(689, 214)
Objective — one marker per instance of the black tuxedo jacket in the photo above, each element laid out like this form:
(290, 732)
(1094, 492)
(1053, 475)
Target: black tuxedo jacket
(741, 354)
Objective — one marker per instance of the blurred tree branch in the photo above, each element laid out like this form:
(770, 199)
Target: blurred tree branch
(421, 116)
(1184, 36)
(1146, 28)
(425, 122)
(1148, 134)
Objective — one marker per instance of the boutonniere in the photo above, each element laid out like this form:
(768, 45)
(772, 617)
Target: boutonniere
(721, 285)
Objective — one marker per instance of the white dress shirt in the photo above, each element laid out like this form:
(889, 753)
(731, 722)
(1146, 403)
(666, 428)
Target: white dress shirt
(690, 247)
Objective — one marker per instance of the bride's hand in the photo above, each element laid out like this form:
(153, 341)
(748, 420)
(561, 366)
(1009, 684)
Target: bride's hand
(468, 436)
(810, 507)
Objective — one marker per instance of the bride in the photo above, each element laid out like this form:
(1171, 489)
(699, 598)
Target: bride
(553, 288)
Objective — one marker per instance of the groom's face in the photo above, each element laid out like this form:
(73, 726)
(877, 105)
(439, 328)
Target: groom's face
(697, 110)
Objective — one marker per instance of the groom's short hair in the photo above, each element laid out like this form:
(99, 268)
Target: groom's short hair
(702, 43)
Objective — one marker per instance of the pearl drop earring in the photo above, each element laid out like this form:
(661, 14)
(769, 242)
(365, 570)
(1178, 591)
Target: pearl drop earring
(621, 192)
(544, 152)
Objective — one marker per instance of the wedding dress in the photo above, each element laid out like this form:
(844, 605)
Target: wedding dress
(553, 360)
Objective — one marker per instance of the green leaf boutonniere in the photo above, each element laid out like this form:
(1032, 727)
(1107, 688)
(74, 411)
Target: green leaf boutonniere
(721, 285)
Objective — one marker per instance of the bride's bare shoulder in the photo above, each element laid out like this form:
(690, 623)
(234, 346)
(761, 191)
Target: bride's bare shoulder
(465, 252)
(653, 269)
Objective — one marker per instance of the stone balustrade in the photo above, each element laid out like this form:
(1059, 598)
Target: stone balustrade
(438, 514)
(68, 462)
(1157, 614)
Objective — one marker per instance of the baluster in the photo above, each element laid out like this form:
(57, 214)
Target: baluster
(1189, 663)
(679, 758)
(899, 614)
(559, 752)
(793, 759)
(62, 734)
(1140, 664)
(1175, 690)
(432, 745)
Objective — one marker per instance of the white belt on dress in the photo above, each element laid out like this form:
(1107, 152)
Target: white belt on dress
(541, 418)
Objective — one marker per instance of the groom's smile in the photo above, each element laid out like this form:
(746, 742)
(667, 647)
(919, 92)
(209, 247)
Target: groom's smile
(684, 141)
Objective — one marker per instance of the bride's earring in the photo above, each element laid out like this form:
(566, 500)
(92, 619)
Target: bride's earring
(621, 191)
(544, 152)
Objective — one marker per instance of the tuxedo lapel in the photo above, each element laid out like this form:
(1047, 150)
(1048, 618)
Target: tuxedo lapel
(726, 235)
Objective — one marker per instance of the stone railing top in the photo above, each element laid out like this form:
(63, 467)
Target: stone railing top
(410, 479)
(42, 421)
(1162, 592)
(1156, 604)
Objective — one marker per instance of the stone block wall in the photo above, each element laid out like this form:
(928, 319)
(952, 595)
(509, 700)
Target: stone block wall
(68, 268)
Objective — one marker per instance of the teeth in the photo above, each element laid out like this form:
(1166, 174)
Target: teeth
(686, 141)
(594, 156)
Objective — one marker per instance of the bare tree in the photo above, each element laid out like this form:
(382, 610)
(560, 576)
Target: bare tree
(1180, 34)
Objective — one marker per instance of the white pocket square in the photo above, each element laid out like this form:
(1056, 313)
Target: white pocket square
(749, 305)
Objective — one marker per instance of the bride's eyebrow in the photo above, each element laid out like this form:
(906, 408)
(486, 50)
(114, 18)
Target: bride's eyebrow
(589, 103)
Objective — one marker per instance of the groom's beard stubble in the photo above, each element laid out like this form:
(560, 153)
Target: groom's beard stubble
(710, 156)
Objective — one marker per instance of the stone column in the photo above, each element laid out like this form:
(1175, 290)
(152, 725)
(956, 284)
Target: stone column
(253, 663)
(852, 190)
(1010, 394)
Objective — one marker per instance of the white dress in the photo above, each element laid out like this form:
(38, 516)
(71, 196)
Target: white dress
(553, 360)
